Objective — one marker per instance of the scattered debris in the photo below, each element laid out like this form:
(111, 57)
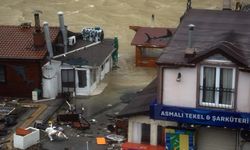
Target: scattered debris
(93, 121)
(24, 138)
(101, 140)
(115, 137)
(55, 133)
(74, 120)
(109, 105)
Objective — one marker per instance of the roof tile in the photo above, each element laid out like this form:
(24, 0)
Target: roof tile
(17, 43)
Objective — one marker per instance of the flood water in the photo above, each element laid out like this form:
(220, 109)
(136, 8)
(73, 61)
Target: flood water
(114, 16)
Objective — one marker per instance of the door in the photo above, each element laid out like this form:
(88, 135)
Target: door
(68, 80)
(216, 139)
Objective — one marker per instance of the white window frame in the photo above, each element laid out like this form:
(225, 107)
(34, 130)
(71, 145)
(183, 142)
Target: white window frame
(217, 82)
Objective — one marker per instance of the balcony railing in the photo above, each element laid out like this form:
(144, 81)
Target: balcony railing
(217, 97)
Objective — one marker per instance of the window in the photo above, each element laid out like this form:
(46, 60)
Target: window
(2, 74)
(217, 86)
(68, 79)
(145, 136)
(82, 77)
(151, 52)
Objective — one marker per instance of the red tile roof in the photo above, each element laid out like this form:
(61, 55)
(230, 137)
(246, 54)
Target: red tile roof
(141, 39)
(16, 42)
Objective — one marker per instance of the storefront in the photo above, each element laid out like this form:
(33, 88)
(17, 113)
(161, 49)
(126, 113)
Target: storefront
(210, 129)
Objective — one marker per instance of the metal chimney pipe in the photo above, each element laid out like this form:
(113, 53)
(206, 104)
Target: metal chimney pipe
(63, 31)
(37, 22)
(190, 34)
(47, 39)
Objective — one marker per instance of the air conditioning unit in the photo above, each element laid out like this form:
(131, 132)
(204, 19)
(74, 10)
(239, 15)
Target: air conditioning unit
(72, 40)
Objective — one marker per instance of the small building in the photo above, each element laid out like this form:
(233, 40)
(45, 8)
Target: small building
(36, 61)
(149, 43)
(80, 70)
(22, 54)
(204, 82)
(78, 61)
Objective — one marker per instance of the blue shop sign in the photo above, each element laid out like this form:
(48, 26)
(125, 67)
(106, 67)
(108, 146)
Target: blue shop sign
(219, 118)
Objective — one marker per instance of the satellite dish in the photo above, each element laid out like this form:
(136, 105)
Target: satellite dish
(245, 134)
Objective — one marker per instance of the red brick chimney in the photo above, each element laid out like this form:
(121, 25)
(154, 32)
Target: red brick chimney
(38, 36)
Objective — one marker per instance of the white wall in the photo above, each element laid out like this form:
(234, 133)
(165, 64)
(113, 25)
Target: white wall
(51, 87)
(134, 128)
(86, 89)
(107, 66)
(181, 93)
(51, 77)
(243, 97)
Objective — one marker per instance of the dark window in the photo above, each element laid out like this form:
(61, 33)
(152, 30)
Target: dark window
(145, 135)
(2, 74)
(68, 79)
(82, 78)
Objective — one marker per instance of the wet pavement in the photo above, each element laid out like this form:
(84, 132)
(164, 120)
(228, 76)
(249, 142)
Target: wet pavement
(100, 108)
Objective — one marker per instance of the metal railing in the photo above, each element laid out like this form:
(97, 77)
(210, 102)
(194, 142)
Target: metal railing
(217, 97)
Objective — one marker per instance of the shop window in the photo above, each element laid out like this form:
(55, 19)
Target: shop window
(217, 86)
(82, 78)
(151, 52)
(2, 74)
(145, 137)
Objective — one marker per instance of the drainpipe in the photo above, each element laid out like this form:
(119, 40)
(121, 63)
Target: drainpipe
(47, 39)
(63, 30)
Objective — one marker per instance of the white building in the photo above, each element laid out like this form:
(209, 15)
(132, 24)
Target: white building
(80, 70)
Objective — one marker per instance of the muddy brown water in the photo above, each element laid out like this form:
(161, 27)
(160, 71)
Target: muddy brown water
(114, 16)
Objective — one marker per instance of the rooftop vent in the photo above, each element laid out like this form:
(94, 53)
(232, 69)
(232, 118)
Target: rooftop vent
(190, 51)
(72, 40)
(47, 38)
(63, 30)
(38, 36)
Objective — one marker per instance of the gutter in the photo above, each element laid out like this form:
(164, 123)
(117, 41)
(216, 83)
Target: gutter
(76, 50)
